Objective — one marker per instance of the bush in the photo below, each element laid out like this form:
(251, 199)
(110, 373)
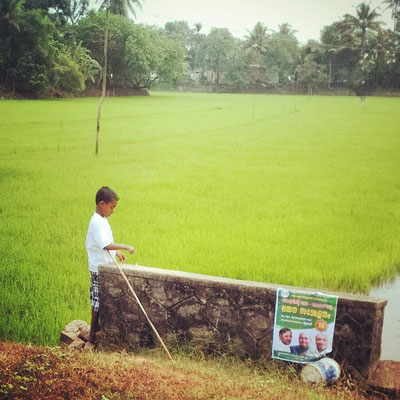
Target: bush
(31, 74)
(66, 75)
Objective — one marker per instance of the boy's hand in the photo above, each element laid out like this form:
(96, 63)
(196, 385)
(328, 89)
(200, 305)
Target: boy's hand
(130, 249)
(121, 256)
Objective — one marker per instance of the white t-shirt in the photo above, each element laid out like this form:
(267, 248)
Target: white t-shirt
(279, 346)
(99, 235)
(313, 351)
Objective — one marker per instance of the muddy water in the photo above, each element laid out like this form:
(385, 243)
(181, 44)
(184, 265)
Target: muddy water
(391, 323)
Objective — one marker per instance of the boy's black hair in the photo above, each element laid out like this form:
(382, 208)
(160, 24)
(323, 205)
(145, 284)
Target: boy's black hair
(106, 194)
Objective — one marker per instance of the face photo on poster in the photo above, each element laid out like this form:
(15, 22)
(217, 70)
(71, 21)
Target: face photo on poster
(311, 342)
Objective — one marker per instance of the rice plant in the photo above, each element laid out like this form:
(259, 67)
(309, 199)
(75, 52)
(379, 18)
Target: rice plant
(290, 190)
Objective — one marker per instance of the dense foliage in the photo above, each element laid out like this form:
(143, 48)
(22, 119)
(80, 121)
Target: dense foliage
(50, 47)
(57, 46)
(137, 55)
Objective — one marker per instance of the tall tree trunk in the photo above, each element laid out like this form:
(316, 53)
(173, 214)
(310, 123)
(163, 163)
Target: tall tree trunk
(362, 47)
(329, 73)
(103, 93)
(195, 58)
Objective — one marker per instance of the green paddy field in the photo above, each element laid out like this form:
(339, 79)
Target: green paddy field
(291, 190)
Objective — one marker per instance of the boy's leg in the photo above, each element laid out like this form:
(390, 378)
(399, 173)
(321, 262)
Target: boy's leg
(94, 326)
(94, 302)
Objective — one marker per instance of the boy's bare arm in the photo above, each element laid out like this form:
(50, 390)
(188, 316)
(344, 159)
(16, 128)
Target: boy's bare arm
(116, 246)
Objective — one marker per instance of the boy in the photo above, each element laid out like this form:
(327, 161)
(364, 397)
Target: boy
(99, 240)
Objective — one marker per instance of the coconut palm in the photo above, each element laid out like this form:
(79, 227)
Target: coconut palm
(284, 53)
(381, 44)
(257, 40)
(395, 6)
(331, 42)
(256, 43)
(197, 29)
(286, 29)
(76, 9)
(363, 22)
(121, 7)
(364, 25)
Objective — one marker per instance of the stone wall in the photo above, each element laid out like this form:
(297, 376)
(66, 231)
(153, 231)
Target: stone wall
(223, 314)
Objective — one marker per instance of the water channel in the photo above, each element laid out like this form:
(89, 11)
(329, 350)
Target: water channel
(391, 322)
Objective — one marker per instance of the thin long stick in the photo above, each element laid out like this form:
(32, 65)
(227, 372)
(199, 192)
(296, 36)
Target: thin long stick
(140, 305)
(103, 93)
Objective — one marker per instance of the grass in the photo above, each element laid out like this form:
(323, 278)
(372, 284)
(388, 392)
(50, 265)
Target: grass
(283, 189)
(31, 372)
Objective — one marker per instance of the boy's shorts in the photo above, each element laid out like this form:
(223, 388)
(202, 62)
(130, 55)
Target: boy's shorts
(94, 291)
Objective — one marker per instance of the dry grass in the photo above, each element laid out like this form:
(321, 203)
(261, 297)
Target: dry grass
(30, 372)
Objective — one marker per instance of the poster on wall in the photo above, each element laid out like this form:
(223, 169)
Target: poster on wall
(304, 325)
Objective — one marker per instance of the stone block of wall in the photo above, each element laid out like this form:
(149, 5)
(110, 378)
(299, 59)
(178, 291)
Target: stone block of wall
(224, 314)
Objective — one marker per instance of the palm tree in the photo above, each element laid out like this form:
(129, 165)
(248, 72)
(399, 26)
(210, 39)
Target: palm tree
(284, 54)
(76, 9)
(286, 29)
(331, 42)
(395, 6)
(358, 26)
(120, 7)
(197, 28)
(382, 54)
(357, 29)
(257, 39)
(256, 42)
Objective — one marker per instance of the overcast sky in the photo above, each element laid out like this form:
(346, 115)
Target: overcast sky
(306, 16)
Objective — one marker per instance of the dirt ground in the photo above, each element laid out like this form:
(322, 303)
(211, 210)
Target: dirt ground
(387, 375)
(32, 373)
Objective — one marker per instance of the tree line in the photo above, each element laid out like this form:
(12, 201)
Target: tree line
(57, 46)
